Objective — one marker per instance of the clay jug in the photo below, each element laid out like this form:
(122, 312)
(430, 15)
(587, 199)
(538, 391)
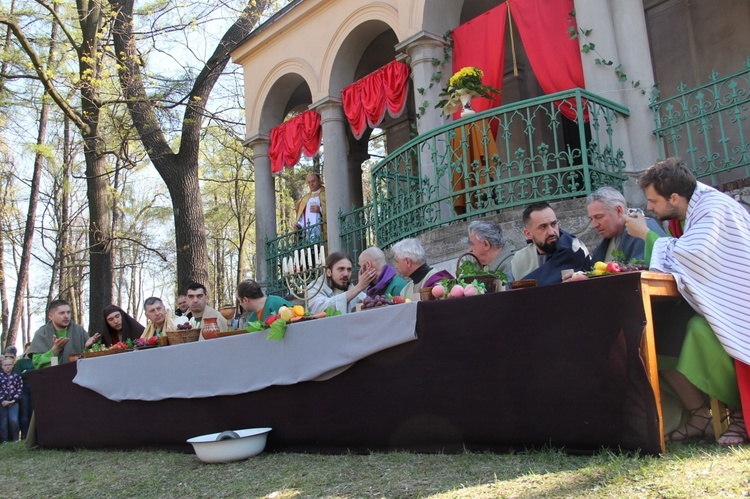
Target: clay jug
(210, 328)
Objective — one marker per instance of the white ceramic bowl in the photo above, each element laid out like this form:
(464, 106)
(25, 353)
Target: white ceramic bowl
(251, 442)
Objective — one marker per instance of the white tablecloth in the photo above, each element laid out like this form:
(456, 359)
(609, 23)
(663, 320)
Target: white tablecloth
(244, 363)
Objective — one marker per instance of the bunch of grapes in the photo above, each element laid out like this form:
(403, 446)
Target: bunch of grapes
(184, 325)
(376, 301)
(632, 267)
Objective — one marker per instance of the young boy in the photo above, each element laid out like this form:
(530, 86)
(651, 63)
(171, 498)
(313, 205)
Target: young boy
(10, 391)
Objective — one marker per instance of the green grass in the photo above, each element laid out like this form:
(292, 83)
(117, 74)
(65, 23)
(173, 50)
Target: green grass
(688, 470)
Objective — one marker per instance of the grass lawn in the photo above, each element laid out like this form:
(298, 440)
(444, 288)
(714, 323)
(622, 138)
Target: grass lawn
(699, 469)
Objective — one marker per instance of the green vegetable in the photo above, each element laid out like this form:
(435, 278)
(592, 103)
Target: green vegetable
(277, 330)
(332, 312)
(255, 326)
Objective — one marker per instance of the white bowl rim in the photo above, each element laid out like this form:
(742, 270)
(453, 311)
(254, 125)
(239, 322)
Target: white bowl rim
(245, 433)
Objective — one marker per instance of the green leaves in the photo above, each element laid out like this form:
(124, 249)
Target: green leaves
(277, 331)
(332, 312)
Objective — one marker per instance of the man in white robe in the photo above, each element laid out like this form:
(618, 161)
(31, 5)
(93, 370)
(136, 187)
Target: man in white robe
(710, 264)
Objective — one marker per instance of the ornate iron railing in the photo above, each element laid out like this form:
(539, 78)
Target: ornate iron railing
(708, 127)
(461, 171)
(284, 246)
(357, 230)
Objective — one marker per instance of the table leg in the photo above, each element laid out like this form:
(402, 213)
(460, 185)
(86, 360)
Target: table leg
(648, 352)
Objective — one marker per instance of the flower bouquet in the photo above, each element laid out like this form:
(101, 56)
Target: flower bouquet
(462, 87)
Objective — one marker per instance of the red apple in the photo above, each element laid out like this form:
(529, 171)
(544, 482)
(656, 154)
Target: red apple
(614, 267)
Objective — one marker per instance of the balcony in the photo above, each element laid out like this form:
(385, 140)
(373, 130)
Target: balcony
(484, 163)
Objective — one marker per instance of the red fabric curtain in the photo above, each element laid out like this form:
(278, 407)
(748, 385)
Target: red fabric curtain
(293, 137)
(554, 56)
(481, 43)
(366, 100)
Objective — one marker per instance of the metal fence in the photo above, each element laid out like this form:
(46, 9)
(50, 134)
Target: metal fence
(497, 160)
(708, 126)
(284, 246)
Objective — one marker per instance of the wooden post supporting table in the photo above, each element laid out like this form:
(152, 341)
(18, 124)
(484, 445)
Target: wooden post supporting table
(659, 286)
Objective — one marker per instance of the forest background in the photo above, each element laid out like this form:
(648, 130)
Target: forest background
(123, 169)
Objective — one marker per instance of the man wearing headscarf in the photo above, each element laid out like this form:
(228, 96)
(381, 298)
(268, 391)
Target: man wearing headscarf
(119, 326)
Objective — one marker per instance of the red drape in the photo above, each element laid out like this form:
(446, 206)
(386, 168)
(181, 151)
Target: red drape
(366, 100)
(743, 382)
(481, 43)
(293, 137)
(554, 56)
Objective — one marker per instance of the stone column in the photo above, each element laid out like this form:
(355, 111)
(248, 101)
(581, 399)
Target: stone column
(335, 166)
(265, 202)
(624, 42)
(421, 50)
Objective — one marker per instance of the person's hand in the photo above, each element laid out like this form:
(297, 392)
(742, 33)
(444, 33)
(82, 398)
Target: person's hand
(59, 344)
(636, 225)
(6, 403)
(92, 340)
(314, 208)
(366, 277)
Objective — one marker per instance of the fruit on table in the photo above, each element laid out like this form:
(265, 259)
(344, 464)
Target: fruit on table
(438, 291)
(470, 290)
(600, 266)
(271, 318)
(579, 276)
(298, 310)
(286, 313)
(184, 325)
(154, 340)
(457, 291)
(376, 301)
(613, 267)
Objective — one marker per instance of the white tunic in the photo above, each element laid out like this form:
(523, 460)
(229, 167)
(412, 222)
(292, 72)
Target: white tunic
(710, 264)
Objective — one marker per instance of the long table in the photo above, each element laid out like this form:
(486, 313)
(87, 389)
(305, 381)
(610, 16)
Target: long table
(557, 365)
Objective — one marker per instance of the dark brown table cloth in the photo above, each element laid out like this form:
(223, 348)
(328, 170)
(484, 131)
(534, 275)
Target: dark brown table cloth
(557, 365)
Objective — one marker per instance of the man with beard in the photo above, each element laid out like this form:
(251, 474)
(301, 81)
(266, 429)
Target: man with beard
(335, 287)
(607, 210)
(707, 255)
(551, 249)
(54, 342)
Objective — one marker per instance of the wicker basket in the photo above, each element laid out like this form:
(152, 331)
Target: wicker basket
(491, 283)
(183, 336)
(100, 353)
(425, 294)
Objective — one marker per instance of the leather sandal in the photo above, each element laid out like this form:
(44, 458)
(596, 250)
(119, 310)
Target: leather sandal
(704, 427)
(736, 432)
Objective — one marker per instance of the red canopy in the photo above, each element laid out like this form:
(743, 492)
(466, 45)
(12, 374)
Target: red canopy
(288, 140)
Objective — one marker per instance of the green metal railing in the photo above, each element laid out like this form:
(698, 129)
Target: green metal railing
(708, 126)
(460, 171)
(284, 246)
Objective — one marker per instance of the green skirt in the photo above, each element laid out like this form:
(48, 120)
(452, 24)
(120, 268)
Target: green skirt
(705, 363)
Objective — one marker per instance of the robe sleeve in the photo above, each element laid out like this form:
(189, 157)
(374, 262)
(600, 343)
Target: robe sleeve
(41, 360)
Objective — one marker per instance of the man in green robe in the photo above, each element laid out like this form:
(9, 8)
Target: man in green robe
(54, 342)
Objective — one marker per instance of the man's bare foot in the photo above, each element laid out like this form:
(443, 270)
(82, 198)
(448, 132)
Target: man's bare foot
(736, 433)
(698, 425)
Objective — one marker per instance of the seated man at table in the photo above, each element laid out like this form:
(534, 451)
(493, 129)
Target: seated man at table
(119, 326)
(198, 301)
(607, 210)
(551, 249)
(160, 318)
(388, 281)
(255, 305)
(335, 287)
(182, 307)
(54, 342)
(487, 243)
(708, 257)
(411, 263)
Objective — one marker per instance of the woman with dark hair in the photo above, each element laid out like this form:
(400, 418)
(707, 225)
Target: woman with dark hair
(119, 326)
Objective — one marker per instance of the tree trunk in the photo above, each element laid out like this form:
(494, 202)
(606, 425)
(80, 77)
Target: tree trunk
(179, 171)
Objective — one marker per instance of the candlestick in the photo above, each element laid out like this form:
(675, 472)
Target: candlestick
(296, 261)
(322, 256)
(283, 266)
(316, 253)
(309, 258)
